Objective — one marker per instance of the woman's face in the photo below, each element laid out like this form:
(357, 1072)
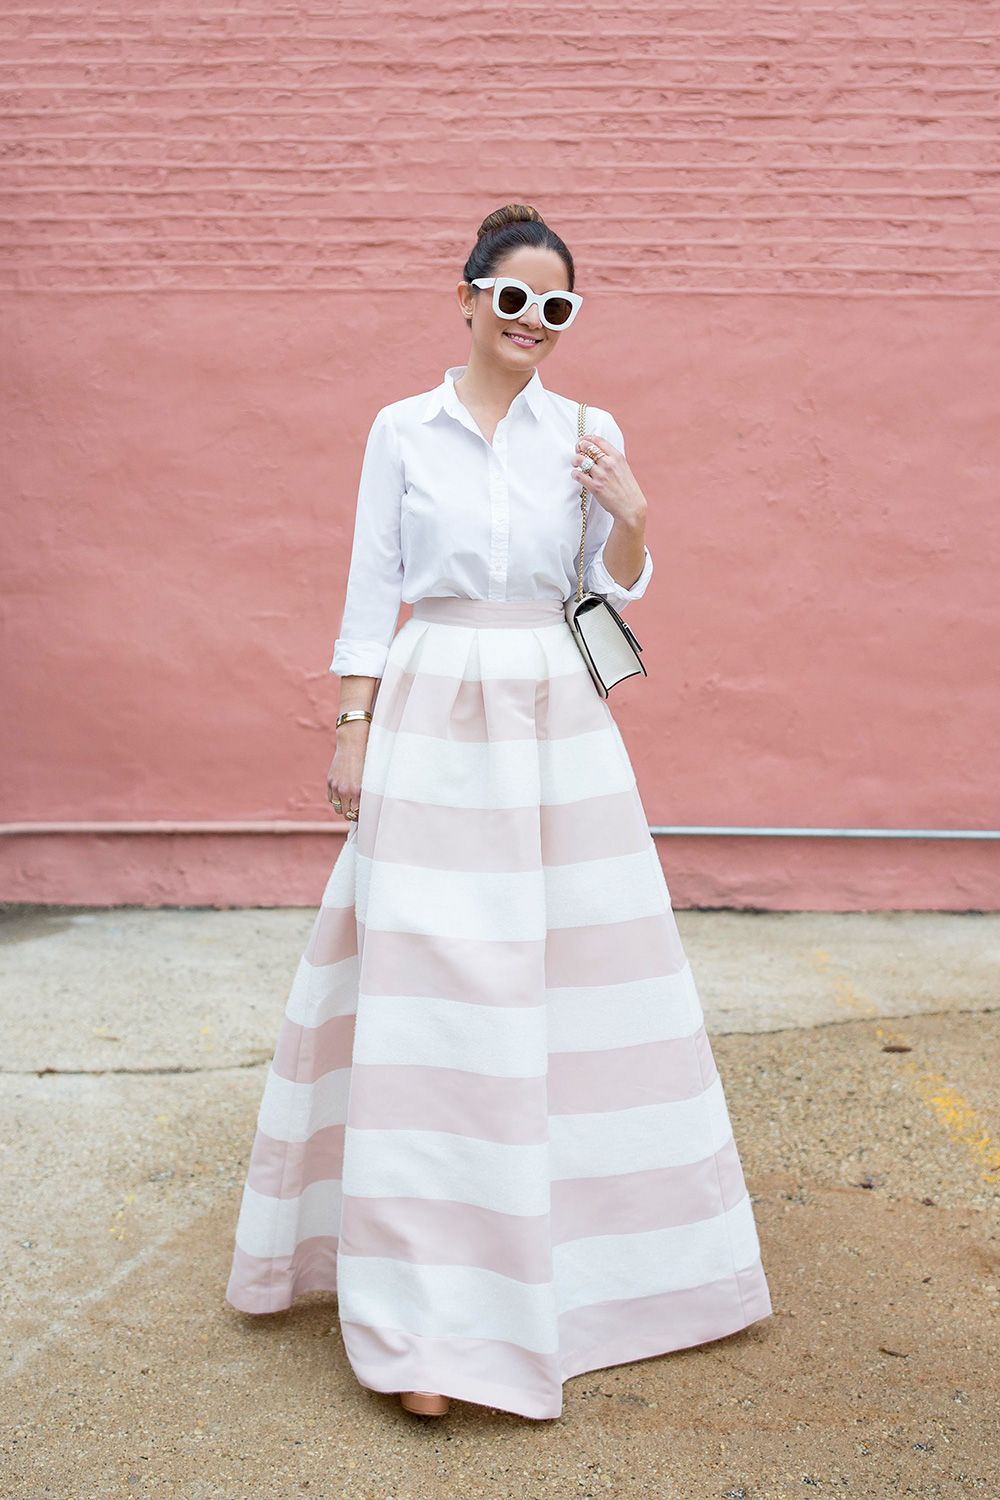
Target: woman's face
(516, 343)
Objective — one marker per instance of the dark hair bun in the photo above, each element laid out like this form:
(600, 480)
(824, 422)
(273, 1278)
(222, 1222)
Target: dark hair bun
(511, 213)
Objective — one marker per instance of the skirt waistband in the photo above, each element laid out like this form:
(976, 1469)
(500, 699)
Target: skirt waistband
(490, 614)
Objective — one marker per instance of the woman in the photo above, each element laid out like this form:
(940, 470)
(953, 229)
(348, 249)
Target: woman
(493, 1122)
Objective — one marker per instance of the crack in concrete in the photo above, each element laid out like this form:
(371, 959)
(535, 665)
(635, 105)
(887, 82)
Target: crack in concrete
(716, 1031)
(910, 1015)
(257, 1062)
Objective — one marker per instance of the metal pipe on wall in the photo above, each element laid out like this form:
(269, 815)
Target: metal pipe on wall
(334, 825)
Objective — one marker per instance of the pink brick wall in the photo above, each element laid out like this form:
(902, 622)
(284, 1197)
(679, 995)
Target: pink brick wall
(787, 225)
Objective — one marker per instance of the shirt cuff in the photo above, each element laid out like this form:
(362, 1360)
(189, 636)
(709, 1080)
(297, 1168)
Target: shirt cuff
(600, 581)
(359, 658)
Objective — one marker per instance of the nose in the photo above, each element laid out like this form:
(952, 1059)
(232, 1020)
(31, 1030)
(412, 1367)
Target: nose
(530, 317)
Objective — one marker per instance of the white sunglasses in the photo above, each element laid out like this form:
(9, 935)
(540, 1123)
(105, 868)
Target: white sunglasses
(511, 298)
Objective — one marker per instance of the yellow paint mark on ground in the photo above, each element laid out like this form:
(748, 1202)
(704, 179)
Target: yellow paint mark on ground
(845, 992)
(118, 1229)
(962, 1123)
(955, 1114)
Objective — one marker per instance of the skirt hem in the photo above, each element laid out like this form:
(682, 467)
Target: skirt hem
(422, 1364)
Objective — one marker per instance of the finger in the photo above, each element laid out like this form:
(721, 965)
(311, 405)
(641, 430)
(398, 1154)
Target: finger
(608, 450)
(601, 464)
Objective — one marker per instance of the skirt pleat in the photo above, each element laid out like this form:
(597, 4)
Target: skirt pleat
(493, 1124)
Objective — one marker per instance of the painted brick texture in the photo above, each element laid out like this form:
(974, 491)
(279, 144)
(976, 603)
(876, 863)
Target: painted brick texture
(229, 234)
(845, 149)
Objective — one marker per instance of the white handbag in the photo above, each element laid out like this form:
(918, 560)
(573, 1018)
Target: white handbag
(607, 645)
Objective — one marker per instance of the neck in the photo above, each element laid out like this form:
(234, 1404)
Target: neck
(487, 384)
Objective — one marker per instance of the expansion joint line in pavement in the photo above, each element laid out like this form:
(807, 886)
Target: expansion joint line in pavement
(852, 1020)
(257, 1062)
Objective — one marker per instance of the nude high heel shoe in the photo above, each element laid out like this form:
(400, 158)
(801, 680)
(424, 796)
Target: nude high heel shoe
(424, 1403)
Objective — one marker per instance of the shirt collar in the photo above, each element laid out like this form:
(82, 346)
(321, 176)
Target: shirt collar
(443, 397)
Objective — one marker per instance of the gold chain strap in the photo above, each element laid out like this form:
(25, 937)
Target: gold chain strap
(581, 417)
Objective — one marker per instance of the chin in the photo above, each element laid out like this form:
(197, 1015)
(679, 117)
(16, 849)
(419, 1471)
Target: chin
(520, 354)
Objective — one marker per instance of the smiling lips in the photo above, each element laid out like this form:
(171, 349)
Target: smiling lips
(522, 338)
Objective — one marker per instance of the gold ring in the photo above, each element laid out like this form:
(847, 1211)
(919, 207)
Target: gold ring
(351, 817)
(596, 453)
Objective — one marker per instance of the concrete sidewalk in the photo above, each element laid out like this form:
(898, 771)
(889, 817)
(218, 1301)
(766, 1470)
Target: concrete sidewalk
(859, 1056)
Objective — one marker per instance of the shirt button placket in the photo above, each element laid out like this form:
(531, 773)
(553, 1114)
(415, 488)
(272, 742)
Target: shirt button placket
(499, 516)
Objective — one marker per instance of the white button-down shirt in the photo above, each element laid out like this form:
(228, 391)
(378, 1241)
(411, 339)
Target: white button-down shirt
(442, 513)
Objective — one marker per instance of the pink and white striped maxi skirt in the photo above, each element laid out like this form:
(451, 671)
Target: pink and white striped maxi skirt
(493, 1123)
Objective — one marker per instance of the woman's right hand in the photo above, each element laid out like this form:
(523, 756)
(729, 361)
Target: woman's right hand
(343, 780)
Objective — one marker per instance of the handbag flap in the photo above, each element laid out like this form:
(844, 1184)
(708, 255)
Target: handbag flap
(606, 641)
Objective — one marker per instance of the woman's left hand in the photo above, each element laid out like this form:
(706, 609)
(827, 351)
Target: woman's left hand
(610, 481)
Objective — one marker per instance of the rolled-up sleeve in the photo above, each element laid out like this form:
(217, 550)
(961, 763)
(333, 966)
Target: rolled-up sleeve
(596, 577)
(375, 580)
